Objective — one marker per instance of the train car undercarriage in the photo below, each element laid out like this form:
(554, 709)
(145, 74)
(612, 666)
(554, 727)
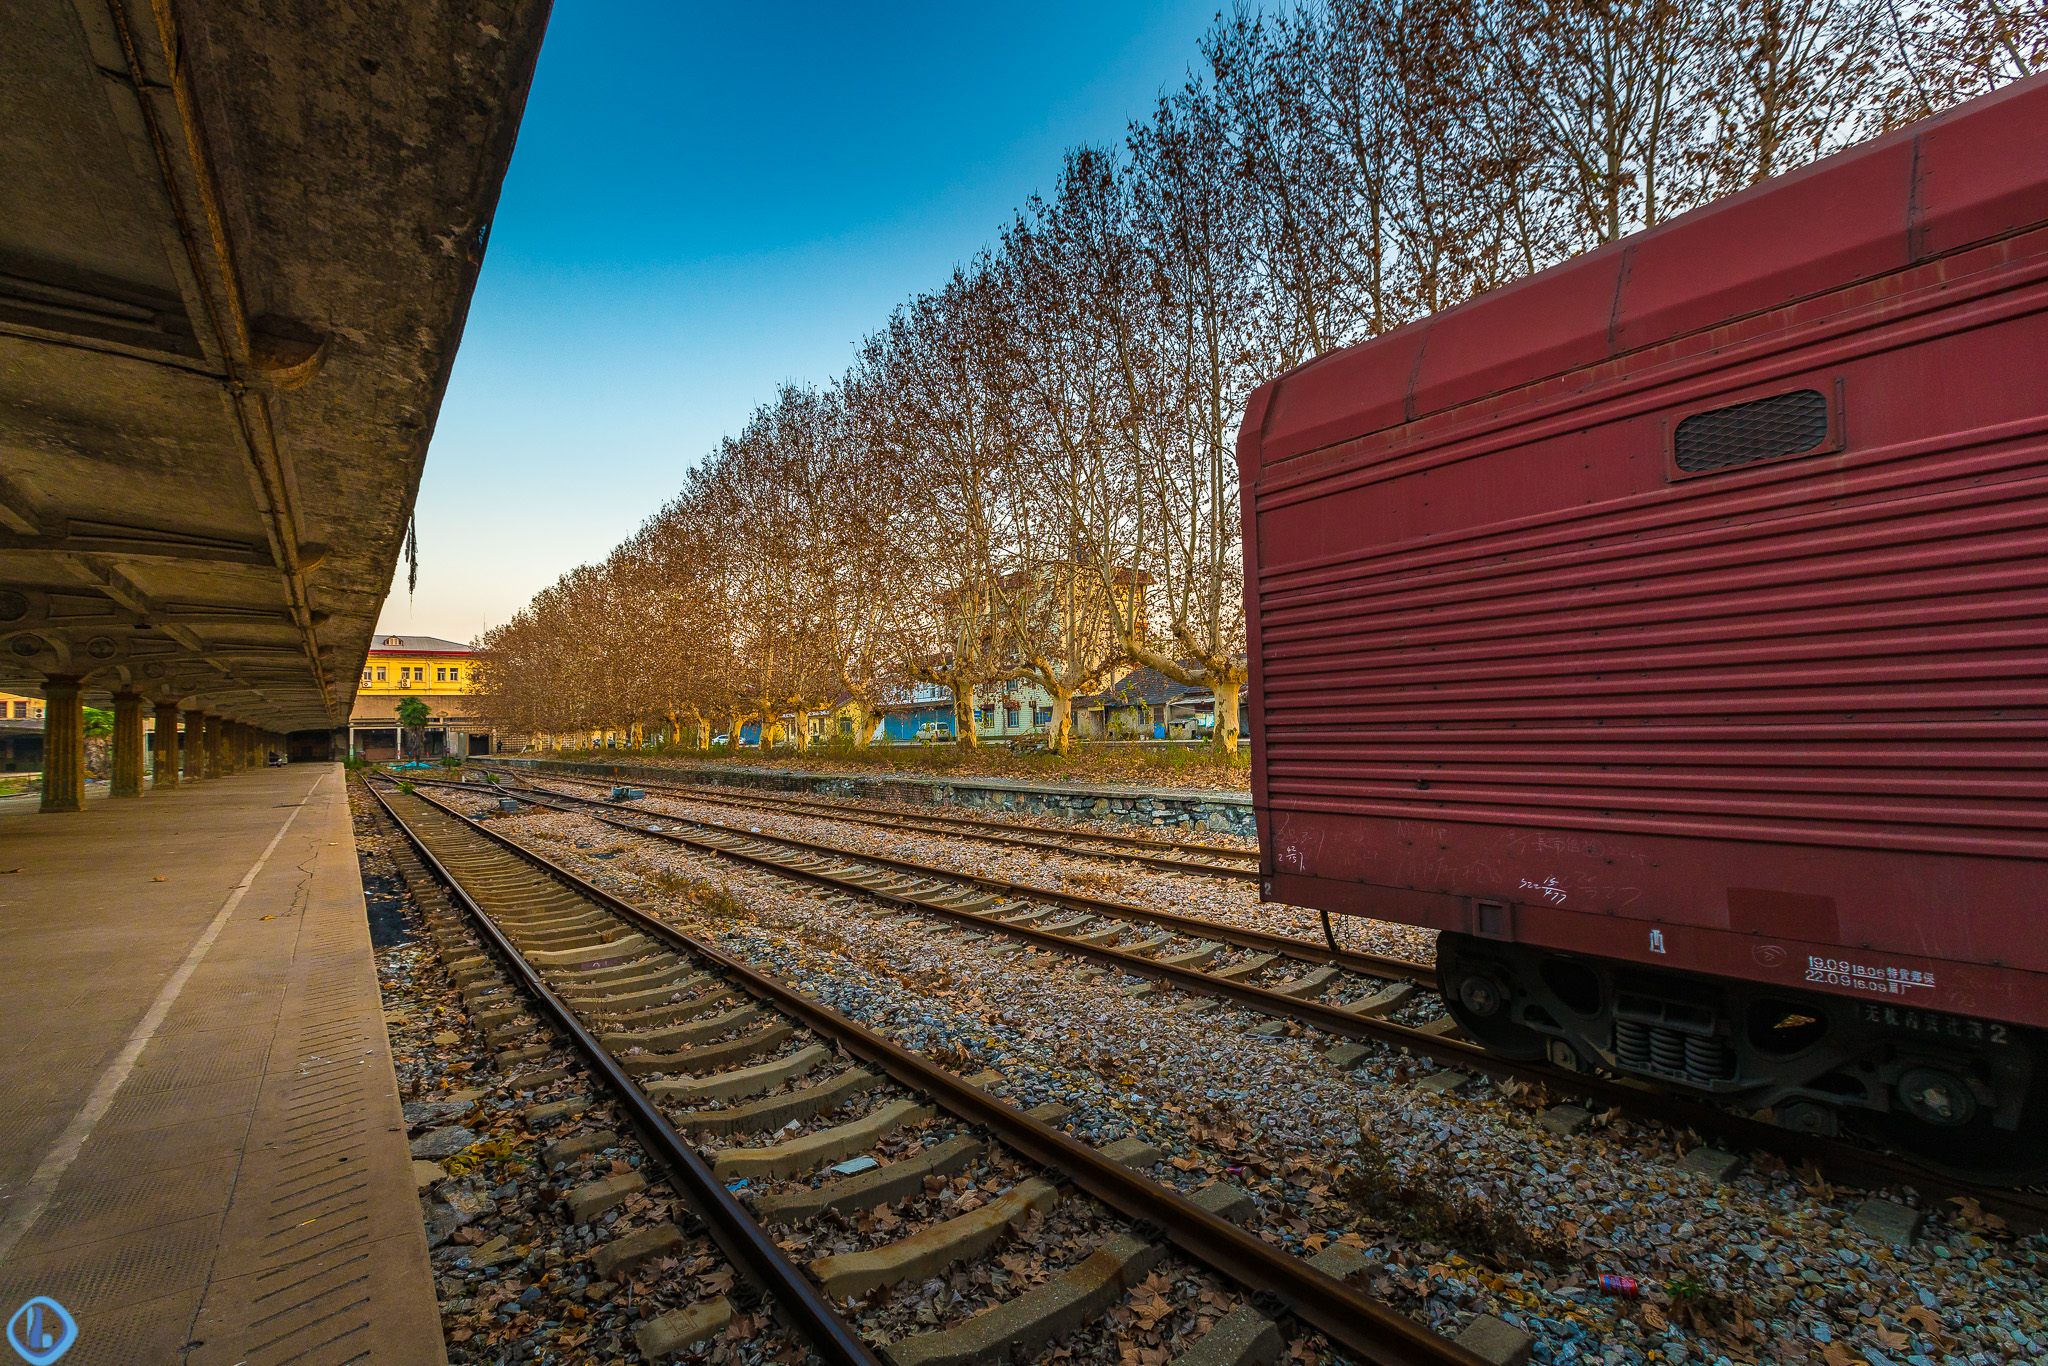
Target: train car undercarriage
(1954, 1091)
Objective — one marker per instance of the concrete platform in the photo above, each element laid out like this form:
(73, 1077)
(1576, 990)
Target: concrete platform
(201, 1151)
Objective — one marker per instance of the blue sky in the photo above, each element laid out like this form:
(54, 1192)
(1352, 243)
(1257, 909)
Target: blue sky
(708, 201)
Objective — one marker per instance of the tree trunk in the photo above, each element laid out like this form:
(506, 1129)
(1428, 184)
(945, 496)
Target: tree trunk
(863, 722)
(1226, 716)
(1062, 737)
(964, 734)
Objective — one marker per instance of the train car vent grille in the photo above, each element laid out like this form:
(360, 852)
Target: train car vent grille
(1744, 433)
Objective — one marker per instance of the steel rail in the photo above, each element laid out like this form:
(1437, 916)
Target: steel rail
(992, 831)
(1375, 1332)
(1366, 964)
(742, 1240)
(1100, 837)
(2023, 1209)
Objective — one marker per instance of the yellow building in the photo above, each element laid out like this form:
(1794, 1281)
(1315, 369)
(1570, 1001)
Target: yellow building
(21, 733)
(440, 673)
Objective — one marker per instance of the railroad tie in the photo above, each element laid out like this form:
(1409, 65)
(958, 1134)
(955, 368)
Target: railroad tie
(776, 1111)
(683, 1035)
(689, 1061)
(1198, 956)
(1250, 967)
(742, 1081)
(877, 1185)
(803, 1153)
(1074, 1297)
(1381, 1002)
(932, 1249)
(672, 1012)
(1309, 986)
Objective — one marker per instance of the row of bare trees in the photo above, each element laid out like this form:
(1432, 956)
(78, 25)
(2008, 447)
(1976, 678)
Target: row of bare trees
(1027, 473)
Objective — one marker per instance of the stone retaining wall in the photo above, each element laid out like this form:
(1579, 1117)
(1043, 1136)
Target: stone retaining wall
(1227, 813)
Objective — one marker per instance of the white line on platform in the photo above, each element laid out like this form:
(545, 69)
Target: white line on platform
(35, 1196)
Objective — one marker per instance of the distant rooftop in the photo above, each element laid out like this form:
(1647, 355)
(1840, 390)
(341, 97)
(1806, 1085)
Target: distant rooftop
(416, 645)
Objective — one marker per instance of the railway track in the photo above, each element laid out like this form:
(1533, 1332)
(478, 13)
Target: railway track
(1280, 947)
(1172, 856)
(1178, 959)
(691, 1041)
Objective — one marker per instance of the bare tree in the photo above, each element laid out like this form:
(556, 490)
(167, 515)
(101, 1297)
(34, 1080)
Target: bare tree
(953, 426)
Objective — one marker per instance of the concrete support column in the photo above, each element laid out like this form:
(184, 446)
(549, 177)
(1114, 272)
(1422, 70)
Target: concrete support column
(63, 744)
(213, 755)
(127, 745)
(193, 750)
(166, 762)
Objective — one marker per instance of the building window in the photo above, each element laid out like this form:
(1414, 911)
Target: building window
(380, 673)
(366, 675)
(440, 675)
(21, 711)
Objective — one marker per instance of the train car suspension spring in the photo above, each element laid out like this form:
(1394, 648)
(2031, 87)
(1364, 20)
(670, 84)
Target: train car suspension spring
(1667, 1051)
(1708, 1059)
(1632, 1045)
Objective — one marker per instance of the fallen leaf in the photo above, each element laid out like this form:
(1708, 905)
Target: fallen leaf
(154, 879)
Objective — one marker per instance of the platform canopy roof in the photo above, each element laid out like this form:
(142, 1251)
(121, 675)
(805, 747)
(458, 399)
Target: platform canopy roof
(237, 244)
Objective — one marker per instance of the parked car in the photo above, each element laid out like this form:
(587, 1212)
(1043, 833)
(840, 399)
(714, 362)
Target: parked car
(932, 731)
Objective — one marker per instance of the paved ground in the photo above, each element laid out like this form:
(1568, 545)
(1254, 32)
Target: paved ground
(201, 1151)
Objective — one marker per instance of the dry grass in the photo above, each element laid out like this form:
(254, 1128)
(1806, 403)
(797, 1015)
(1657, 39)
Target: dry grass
(1426, 1206)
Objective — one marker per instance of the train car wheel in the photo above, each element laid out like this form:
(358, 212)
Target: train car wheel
(1935, 1120)
(1477, 992)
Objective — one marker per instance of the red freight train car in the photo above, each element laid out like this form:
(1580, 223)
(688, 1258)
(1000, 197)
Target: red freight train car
(1670, 631)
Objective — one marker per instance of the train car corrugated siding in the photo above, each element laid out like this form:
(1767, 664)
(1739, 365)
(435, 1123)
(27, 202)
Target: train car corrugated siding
(1504, 650)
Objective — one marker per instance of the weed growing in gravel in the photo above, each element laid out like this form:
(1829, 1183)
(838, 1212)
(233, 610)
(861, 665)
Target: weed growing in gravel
(1426, 1206)
(673, 883)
